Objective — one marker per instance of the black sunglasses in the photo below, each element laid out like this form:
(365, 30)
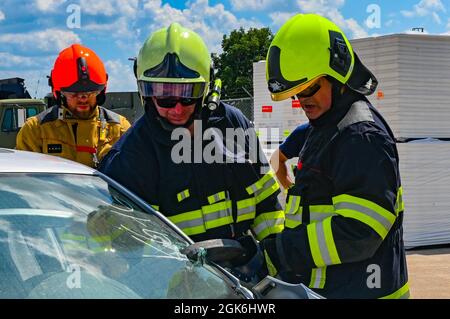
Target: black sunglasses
(171, 102)
(309, 92)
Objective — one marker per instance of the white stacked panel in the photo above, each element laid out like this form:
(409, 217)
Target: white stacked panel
(425, 173)
(414, 74)
(282, 120)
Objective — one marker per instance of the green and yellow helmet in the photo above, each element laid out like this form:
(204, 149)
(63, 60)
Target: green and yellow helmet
(307, 47)
(173, 61)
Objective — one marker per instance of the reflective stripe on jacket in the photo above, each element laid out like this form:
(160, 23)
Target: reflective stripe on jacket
(52, 132)
(205, 200)
(345, 210)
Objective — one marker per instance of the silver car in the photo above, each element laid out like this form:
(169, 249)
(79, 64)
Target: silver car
(68, 231)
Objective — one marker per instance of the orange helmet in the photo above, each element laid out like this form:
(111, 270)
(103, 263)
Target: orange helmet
(78, 69)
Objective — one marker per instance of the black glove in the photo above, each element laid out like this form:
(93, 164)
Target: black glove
(252, 267)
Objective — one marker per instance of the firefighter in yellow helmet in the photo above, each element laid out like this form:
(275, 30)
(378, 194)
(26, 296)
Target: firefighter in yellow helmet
(344, 213)
(77, 127)
(227, 197)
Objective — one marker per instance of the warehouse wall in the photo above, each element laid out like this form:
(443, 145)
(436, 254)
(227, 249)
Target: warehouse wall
(414, 74)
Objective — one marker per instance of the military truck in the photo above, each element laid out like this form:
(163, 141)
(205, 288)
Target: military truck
(16, 106)
(13, 88)
(13, 114)
(127, 104)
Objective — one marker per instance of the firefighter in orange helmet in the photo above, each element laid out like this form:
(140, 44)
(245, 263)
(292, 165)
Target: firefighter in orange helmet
(77, 127)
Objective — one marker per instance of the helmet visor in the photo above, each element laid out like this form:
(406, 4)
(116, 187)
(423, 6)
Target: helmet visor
(159, 89)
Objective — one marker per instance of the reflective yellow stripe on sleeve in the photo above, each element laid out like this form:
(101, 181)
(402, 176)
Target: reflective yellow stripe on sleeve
(399, 204)
(218, 214)
(318, 213)
(216, 197)
(293, 212)
(318, 278)
(266, 224)
(367, 212)
(322, 245)
(246, 209)
(191, 223)
(183, 195)
(270, 266)
(264, 187)
(402, 293)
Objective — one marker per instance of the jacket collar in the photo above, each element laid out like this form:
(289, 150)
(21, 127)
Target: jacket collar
(339, 108)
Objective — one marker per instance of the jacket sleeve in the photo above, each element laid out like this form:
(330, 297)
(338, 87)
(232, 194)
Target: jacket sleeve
(130, 167)
(269, 216)
(364, 172)
(262, 205)
(29, 137)
(294, 142)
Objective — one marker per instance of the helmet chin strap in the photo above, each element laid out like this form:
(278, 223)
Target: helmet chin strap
(165, 124)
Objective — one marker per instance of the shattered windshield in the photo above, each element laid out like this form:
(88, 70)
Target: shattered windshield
(74, 236)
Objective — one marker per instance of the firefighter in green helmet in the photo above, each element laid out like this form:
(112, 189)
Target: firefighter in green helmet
(343, 229)
(226, 198)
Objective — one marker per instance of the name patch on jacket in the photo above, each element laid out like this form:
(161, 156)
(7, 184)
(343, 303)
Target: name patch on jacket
(54, 148)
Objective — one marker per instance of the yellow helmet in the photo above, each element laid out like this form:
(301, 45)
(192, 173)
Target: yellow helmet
(307, 47)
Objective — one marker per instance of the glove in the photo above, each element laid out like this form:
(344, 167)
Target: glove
(252, 268)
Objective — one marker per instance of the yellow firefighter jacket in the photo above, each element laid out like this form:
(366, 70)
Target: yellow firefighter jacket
(56, 132)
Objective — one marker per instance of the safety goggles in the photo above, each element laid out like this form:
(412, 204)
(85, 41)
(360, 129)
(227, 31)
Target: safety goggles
(170, 102)
(76, 95)
(309, 91)
(182, 90)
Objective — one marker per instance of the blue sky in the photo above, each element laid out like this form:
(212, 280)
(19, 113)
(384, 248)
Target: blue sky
(33, 32)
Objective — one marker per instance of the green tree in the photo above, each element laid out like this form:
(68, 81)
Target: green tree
(235, 65)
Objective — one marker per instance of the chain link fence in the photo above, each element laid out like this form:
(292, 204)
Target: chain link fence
(245, 105)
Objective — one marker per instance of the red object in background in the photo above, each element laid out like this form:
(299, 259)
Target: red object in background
(380, 95)
(296, 104)
(299, 165)
(267, 109)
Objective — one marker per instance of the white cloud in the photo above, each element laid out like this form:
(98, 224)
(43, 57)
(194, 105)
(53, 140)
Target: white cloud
(104, 7)
(119, 28)
(121, 77)
(2, 15)
(210, 22)
(426, 8)
(109, 8)
(50, 40)
(48, 5)
(128, 7)
(317, 6)
(353, 25)
(248, 5)
(8, 60)
(330, 9)
(279, 18)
